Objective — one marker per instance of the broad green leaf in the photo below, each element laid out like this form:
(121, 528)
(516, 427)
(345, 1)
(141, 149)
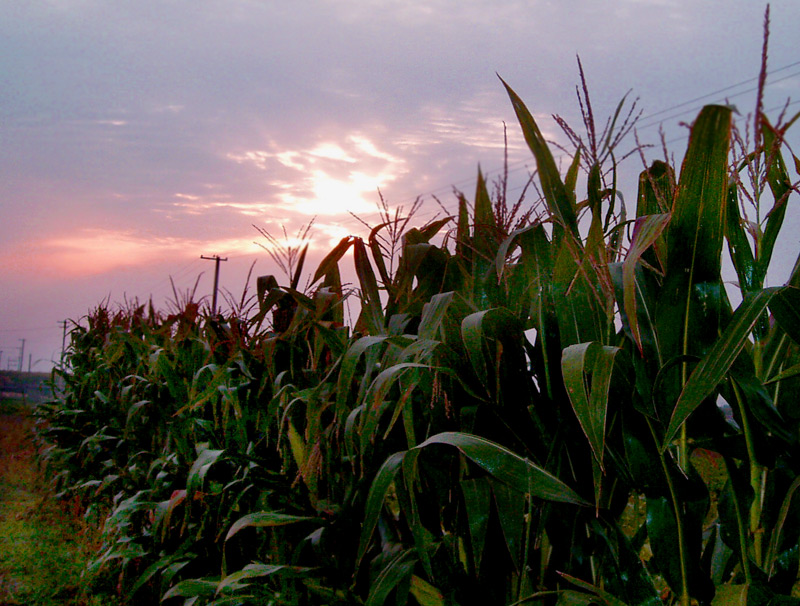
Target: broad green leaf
(690, 300)
(199, 470)
(578, 363)
(377, 494)
(579, 307)
(398, 569)
(262, 519)
(508, 467)
(731, 595)
(348, 368)
(646, 232)
(485, 229)
(376, 395)
(192, 588)
(511, 513)
(781, 186)
(785, 306)
(479, 326)
(697, 225)
(656, 189)
(433, 313)
(425, 593)
(662, 531)
(332, 259)
(715, 364)
(371, 309)
(477, 500)
(739, 246)
(555, 194)
(253, 571)
(777, 531)
(607, 598)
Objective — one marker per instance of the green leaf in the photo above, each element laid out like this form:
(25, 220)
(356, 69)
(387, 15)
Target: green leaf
(192, 588)
(606, 598)
(646, 232)
(371, 309)
(261, 519)
(520, 474)
(716, 363)
(697, 226)
(578, 363)
(425, 593)
(777, 531)
(331, 260)
(690, 301)
(377, 493)
(479, 326)
(739, 245)
(555, 193)
(348, 369)
(433, 313)
(234, 580)
(785, 306)
(781, 186)
(199, 470)
(477, 500)
(396, 571)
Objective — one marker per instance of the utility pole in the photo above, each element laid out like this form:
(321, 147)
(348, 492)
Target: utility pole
(63, 338)
(217, 260)
(21, 354)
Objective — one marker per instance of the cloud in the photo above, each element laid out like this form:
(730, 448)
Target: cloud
(327, 178)
(95, 251)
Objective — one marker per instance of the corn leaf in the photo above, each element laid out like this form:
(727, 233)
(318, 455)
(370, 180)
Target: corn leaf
(398, 569)
(553, 189)
(508, 467)
(646, 232)
(716, 363)
(262, 519)
(578, 363)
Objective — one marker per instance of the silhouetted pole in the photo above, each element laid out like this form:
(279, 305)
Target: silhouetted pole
(63, 339)
(21, 354)
(217, 260)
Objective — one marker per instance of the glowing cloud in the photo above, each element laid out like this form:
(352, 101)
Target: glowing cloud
(323, 180)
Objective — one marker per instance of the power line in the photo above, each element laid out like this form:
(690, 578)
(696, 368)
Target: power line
(515, 167)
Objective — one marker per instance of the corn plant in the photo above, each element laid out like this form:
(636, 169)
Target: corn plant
(567, 410)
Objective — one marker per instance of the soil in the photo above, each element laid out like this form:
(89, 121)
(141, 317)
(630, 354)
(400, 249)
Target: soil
(42, 543)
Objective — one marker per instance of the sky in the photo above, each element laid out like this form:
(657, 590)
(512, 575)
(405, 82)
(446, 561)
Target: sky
(138, 135)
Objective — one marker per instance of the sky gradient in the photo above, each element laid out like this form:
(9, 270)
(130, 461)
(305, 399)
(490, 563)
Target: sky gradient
(138, 135)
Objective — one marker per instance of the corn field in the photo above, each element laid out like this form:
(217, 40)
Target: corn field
(561, 410)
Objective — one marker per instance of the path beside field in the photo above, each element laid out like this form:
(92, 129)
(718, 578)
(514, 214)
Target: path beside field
(41, 550)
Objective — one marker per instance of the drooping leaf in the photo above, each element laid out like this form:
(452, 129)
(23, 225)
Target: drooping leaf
(263, 519)
(646, 232)
(508, 467)
(590, 402)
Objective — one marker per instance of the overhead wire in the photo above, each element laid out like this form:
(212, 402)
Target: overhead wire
(646, 122)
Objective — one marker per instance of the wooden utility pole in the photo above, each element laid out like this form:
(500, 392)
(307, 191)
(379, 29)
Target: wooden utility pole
(63, 338)
(21, 354)
(217, 260)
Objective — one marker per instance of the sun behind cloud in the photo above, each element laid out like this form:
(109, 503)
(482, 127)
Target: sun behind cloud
(322, 179)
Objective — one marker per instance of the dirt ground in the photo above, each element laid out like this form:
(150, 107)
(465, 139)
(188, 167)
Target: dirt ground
(41, 544)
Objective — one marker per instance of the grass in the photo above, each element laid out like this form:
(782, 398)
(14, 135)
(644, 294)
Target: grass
(43, 546)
